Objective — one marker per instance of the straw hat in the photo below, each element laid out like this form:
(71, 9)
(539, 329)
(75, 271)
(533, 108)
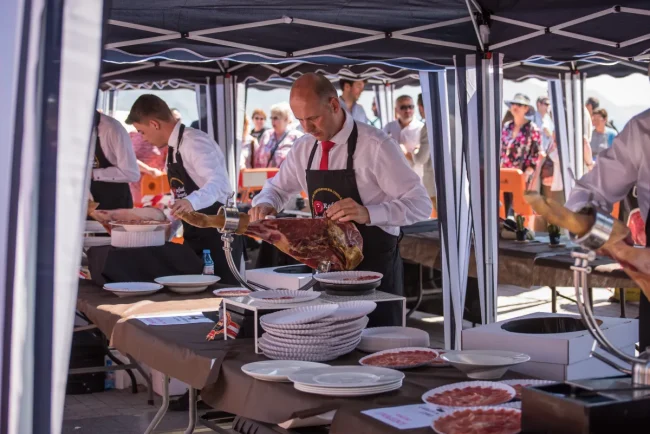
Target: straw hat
(519, 98)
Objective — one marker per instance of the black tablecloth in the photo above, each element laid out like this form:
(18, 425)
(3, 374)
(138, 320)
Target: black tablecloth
(141, 264)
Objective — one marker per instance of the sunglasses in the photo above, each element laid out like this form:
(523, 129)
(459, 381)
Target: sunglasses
(516, 104)
(406, 107)
(259, 119)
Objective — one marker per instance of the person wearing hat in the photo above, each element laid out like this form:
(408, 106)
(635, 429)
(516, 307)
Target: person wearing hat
(520, 141)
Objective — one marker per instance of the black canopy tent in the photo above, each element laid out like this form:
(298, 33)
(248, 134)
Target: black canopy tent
(414, 34)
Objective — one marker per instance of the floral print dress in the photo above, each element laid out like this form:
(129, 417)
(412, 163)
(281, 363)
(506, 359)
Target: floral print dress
(521, 152)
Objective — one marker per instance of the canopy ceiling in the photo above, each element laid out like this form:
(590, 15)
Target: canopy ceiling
(412, 34)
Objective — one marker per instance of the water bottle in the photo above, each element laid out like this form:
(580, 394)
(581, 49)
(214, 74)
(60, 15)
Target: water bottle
(208, 263)
(109, 379)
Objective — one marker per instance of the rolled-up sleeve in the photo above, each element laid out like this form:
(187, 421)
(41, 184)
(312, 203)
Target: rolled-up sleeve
(278, 190)
(614, 174)
(208, 163)
(117, 140)
(409, 202)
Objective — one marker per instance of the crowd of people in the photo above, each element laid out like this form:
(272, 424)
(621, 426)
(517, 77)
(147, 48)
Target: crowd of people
(528, 142)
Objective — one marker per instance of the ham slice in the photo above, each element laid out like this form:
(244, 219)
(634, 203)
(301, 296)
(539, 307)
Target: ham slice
(124, 215)
(620, 247)
(307, 240)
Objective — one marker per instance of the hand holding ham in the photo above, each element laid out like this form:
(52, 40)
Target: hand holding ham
(635, 261)
(181, 206)
(347, 210)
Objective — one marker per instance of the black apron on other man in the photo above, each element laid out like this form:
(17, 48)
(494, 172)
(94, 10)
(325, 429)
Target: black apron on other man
(109, 195)
(644, 305)
(380, 249)
(182, 185)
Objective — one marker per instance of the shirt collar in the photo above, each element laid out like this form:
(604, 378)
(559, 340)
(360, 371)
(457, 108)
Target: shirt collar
(342, 136)
(173, 139)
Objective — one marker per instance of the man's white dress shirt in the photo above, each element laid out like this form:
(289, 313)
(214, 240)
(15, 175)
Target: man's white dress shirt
(118, 149)
(205, 164)
(357, 112)
(618, 169)
(389, 189)
(409, 136)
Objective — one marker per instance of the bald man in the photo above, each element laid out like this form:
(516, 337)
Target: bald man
(352, 172)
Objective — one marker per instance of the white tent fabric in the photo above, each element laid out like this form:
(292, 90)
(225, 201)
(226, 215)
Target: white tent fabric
(222, 103)
(556, 93)
(463, 119)
(48, 147)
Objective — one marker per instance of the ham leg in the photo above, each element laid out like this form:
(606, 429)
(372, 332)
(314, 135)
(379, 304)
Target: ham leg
(307, 240)
(635, 261)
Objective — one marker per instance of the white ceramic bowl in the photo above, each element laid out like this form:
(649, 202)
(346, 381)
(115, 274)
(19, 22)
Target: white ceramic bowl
(484, 364)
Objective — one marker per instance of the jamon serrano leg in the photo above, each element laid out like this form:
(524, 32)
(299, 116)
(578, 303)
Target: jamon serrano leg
(635, 261)
(309, 241)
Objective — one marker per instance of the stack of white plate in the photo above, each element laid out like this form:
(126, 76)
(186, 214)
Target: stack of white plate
(387, 338)
(347, 380)
(284, 296)
(132, 289)
(314, 333)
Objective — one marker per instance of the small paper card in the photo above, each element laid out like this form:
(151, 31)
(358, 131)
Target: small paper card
(405, 416)
(174, 320)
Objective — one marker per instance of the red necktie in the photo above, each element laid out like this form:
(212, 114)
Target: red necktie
(325, 158)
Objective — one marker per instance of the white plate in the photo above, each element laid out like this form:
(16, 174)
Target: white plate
(352, 310)
(220, 292)
(512, 411)
(386, 338)
(400, 350)
(465, 384)
(313, 330)
(297, 316)
(134, 227)
(132, 289)
(347, 376)
(319, 357)
(188, 284)
(348, 393)
(343, 277)
(296, 296)
(347, 389)
(484, 364)
(311, 340)
(277, 370)
(526, 382)
(265, 343)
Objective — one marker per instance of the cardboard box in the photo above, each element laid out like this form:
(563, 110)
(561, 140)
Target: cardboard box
(175, 387)
(589, 368)
(562, 348)
(269, 277)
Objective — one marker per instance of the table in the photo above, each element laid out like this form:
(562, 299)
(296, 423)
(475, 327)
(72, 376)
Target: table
(550, 266)
(268, 402)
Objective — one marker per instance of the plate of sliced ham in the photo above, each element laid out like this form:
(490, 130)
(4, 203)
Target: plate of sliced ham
(469, 394)
(349, 277)
(478, 420)
(401, 358)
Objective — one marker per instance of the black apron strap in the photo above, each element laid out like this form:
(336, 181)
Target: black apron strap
(275, 148)
(311, 156)
(352, 146)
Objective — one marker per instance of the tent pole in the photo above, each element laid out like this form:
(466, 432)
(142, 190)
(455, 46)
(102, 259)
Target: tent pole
(578, 114)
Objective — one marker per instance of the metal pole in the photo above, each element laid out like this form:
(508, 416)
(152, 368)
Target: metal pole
(578, 113)
(163, 408)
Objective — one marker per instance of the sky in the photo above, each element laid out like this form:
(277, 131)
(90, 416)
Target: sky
(621, 97)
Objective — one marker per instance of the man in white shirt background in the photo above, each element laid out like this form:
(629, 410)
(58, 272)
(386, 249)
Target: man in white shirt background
(196, 170)
(114, 165)
(405, 130)
(350, 94)
(617, 170)
(352, 172)
(542, 119)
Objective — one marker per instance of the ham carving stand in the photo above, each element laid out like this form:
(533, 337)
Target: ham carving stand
(592, 241)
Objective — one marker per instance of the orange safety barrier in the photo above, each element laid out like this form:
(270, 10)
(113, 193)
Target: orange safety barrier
(513, 181)
(251, 181)
(154, 185)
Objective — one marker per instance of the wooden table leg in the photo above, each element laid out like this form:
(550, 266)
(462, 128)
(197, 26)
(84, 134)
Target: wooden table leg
(553, 299)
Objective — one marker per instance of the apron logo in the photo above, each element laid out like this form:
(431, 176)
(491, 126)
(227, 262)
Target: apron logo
(178, 188)
(318, 206)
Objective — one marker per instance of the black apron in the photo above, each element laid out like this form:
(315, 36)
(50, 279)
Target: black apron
(110, 195)
(644, 304)
(198, 239)
(380, 249)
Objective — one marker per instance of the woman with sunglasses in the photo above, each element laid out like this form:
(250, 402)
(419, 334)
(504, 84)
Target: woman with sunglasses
(275, 144)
